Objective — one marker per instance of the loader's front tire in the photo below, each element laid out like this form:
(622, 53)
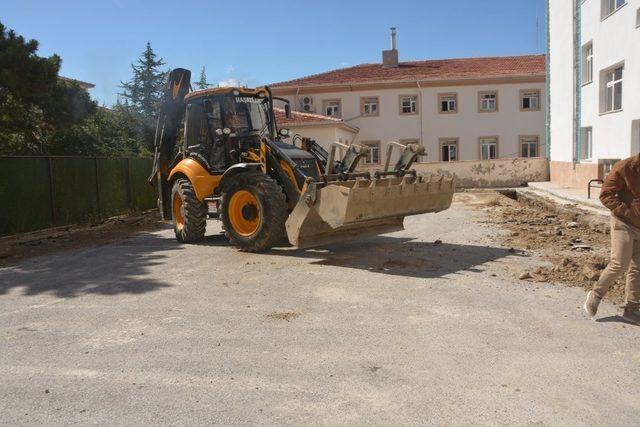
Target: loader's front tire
(189, 214)
(254, 211)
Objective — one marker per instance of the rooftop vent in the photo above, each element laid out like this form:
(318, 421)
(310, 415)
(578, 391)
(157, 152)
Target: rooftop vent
(390, 57)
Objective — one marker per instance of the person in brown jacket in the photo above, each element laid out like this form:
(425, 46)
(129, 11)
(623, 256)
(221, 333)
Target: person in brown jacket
(621, 195)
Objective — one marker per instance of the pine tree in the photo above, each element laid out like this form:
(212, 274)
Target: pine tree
(144, 91)
(34, 102)
(202, 83)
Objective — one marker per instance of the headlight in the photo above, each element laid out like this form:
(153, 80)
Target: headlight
(284, 132)
(226, 131)
(236, 92)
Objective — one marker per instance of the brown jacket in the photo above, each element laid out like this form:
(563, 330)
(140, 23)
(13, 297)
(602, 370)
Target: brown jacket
(621, 190)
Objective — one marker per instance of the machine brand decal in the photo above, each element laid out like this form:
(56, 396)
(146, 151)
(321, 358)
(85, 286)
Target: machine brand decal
(249, 100)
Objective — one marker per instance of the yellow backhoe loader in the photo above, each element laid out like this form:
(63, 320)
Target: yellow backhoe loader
(219, 154)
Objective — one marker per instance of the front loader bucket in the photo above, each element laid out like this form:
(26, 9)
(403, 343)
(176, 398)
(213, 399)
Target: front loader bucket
(343, 210)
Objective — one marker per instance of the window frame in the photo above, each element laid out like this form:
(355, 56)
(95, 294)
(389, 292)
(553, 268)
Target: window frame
(455, 100)
(583, 133)
(522, 96)
(480, 99)
(325, 104)
(606, 85)
(363, 102)
(495, 141)
(372, 143)
(521, 142)
(587, 63)
(605, 12)
(449, 141)
(416, 106)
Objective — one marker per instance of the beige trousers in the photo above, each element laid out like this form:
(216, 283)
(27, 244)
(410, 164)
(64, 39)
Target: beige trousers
(625, 256)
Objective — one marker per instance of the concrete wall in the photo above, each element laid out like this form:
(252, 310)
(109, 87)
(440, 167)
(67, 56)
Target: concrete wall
(575, 175)
(508, 123)
(561, 79)
(615, 39)
(491, 174)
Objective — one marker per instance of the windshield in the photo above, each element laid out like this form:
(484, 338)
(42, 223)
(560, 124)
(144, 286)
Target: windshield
(245, 114)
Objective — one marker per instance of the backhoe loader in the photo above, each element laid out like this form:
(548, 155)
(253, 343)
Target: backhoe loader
(220, 154)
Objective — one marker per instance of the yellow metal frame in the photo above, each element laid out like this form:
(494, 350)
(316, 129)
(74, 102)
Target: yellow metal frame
(224, 90)
(203, 182)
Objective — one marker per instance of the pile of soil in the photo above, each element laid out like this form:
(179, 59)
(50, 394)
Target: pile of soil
(574, 241)
(20, 246)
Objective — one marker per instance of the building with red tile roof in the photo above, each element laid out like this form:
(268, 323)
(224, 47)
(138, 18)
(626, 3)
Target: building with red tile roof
(458, 109)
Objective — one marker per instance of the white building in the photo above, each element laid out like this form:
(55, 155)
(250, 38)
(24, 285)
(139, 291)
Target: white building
(324, 130)
(594, 77)
(459, 109)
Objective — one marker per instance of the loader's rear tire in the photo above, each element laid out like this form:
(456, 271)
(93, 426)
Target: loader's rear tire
(189, 214)
(254, 211)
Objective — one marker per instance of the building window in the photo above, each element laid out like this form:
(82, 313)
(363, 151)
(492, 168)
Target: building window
(610, 6)
(529, 146)
(369, 106)
(612, 86)
(638, 18)
(408, 104)
(449, 149)
(530, 100)
(373, 156)
(587, 63)
(332, 107)
(448, 102)
(586, 142)
(488, 147)
(487, 101)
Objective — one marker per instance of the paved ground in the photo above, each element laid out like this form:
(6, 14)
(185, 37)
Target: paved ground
(392, 330)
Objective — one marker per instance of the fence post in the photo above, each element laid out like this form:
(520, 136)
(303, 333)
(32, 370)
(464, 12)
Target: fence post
(51, 188)
(128, 182)
(95, 164)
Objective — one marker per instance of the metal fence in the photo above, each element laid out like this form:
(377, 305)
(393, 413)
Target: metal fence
(41, 192)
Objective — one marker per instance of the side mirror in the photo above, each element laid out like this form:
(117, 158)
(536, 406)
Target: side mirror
(287, 110)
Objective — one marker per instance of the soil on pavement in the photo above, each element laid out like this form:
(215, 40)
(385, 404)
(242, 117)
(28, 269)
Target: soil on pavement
(42, 242)
(576, 243)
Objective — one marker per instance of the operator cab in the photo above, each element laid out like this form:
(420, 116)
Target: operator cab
(224, 124)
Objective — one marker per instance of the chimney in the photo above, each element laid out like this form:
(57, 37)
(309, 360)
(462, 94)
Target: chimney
(390, 57)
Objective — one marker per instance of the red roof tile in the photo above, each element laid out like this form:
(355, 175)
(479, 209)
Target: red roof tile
(306, 119)
(438, 69)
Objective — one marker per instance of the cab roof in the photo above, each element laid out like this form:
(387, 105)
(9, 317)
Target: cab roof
(225, 90)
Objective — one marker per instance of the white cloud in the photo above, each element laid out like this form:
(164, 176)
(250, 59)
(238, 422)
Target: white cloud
(230, 69)
(229, 83)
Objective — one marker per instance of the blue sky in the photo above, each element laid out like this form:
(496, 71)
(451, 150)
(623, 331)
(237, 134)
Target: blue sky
(257, 42)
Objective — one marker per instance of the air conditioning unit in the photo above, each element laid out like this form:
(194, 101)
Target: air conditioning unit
(306, 104)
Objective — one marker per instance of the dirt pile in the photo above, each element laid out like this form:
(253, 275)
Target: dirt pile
(574, 241)
(20, 246)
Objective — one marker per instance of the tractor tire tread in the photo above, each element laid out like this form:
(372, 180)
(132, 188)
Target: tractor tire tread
(272, 232)
(195, 215)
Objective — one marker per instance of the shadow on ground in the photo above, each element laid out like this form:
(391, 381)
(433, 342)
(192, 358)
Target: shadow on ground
(107, 270)
(615, 319)
(402, 256)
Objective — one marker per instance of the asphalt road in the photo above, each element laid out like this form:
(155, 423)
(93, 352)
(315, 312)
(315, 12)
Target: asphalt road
(390, 330)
